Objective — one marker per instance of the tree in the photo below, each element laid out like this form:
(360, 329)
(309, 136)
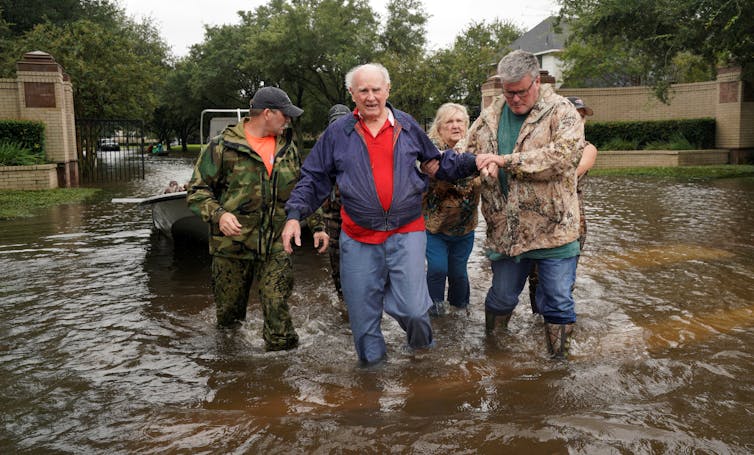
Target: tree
(114, 72)
(403, 43)
(459, 72)
(593, 62)
(306, 47)
(405, 28)
(219, 73)
(22, 16)
(180, 105)
(664, 32)
(115, 63)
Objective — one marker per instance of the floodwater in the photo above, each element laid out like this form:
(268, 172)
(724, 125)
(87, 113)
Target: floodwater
(108, 343)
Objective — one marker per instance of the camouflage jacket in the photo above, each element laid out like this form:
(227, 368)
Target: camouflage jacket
(541, 209)
(230, 177)
(451, 208)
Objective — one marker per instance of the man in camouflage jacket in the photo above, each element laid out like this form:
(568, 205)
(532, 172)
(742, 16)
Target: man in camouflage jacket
(240, 185)
(530, 141)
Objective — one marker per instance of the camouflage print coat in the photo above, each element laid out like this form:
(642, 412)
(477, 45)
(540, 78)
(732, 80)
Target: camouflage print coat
(451, 208)
(230, 177)
(542, 209)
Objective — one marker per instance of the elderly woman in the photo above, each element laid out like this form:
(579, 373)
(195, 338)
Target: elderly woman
(450, 215)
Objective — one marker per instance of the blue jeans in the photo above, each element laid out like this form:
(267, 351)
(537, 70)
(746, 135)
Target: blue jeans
(447, 257)
(387, 277)
(554, 298)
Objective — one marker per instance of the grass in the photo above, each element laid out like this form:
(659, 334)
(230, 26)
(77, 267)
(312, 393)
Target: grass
(194, 148)
(20, 203)
(688, 172)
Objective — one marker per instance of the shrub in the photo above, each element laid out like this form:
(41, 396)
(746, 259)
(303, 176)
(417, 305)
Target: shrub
(14, 154)
(677, 142)
(617, 143)
(28, 134)
(699, 133)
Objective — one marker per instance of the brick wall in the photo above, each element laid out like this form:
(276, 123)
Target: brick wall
(42, 92)
(638, 103)
(644, 158)
(8, 98)
(38, 177)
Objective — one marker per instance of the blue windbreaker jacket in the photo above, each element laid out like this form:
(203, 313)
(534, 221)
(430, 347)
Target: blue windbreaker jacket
(340, 156)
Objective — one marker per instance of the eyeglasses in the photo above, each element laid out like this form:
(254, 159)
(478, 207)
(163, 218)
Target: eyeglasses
(520, 93)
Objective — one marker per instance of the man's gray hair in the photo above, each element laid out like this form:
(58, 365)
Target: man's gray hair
(517, 64)
(370, 66)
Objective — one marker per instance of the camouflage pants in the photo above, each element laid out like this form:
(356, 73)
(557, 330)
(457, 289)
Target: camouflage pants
(232, 280)
(332, 227)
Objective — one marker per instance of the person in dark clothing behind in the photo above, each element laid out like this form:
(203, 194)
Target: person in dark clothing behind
(331, 211)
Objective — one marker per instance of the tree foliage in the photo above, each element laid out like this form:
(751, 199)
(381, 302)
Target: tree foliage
(23, 16)
(402, 53)
(462, 69)
(114, 72)
(307, 46)
(116, 64)
(664, 34)
(595, 62)
(405, 28)
(121, 68)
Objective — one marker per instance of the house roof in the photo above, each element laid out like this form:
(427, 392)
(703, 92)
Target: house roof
(542, 39)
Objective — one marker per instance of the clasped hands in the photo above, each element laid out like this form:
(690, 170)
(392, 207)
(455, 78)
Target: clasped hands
(487, 163)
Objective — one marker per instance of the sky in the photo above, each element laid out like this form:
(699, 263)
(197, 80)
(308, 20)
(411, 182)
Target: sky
(182, 21)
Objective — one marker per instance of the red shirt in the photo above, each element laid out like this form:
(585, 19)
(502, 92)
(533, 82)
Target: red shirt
(380, 149)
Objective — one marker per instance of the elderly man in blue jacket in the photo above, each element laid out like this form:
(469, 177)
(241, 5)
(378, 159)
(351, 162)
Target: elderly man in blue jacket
(372, 157)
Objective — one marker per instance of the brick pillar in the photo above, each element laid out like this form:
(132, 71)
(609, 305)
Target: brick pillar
(491, 88)
(46, 95)
(734, 114)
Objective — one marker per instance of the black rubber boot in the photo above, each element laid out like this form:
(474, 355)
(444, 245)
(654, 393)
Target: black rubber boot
(558, 337)
(491, 320)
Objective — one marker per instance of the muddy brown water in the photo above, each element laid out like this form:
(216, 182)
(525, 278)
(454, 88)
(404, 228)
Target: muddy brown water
(108, 343)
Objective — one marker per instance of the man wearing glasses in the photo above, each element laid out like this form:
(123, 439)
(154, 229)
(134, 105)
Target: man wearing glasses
(528, 143)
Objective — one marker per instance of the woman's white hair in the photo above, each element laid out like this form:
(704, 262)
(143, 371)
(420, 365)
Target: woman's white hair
(443, 114)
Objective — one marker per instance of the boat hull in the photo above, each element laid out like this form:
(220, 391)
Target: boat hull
(172, 217)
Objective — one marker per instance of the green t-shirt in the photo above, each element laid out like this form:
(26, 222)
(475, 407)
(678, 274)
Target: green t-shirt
(507, 134)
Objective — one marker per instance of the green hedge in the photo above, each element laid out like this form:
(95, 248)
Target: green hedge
(27, 134)
(699, 132)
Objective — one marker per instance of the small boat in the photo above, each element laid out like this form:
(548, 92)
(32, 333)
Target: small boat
(172, 217)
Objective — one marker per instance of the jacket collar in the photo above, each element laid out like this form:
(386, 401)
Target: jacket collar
(235, 138)
(395, 116)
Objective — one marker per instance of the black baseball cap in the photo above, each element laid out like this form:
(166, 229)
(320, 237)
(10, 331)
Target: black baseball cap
(336, 112)
(579, 104)
(274, 98)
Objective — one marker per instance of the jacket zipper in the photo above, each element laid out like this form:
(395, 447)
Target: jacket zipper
(385, 213)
